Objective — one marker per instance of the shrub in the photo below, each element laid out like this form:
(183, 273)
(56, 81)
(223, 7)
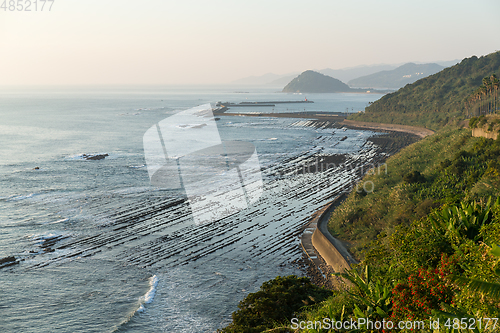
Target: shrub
(414, 177)
(482, 121)
(473, 122)
(277, 301)
(423, 292)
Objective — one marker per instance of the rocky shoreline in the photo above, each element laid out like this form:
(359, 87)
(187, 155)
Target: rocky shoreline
(391, 140)
(333, 250)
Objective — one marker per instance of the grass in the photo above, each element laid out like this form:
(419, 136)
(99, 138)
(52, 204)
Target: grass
(360, 219)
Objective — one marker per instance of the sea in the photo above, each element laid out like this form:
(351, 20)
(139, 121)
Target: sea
(90, 245)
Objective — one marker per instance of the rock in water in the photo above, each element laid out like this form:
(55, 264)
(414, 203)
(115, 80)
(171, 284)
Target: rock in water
(8, 261)
(95, 157)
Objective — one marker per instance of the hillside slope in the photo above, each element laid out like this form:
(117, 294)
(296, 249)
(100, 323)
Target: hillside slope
(314, 82)
(436, 100)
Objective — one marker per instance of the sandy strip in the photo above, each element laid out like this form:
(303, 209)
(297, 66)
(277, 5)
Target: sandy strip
(420, 131)
(340, 120)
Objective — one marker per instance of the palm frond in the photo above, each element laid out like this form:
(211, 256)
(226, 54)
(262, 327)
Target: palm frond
(489, 288)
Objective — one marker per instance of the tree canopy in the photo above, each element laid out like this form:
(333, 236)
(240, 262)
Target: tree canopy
(438, 99)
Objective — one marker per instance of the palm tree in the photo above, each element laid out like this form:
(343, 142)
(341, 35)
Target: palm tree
(494, 83)
(486, 95)
(484, 92)
(487, 87)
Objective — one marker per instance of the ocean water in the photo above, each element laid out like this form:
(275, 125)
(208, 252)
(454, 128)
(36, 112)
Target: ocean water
(101, 250)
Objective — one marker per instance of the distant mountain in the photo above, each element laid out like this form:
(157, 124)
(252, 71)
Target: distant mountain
(314, 82)
(396, 78)
(283, 81)
(265, 79)
(448, 63)
(347, 74)
(344, 74)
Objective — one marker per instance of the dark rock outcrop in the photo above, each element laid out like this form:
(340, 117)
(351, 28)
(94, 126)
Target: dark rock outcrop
(95, 157)
(8, 261)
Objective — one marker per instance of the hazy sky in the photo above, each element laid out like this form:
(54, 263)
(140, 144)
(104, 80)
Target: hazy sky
(217, 41)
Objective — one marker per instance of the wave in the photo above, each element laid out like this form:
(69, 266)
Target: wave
(45, 196)
(131, 190)
(137, 166)
(58, 221)
(150, 295)
(19, 197)
(48, 238)
(146, 299)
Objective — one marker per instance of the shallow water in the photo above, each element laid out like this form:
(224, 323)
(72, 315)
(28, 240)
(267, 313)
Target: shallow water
(101, 250)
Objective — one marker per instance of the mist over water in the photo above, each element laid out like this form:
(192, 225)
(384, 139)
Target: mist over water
(102, 250)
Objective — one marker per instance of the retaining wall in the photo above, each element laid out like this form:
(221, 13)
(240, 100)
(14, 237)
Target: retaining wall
(479, 132)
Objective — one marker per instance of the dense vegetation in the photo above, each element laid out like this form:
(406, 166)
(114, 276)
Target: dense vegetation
(436, 100)
(428, 236)
(445, 168)
(485, 99)
(396, 78)
(277, 302)
(314, 82)
(444, 266)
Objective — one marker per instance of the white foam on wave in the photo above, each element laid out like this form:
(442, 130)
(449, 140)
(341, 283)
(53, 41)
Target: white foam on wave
(44, 236)
(39, 239)
(75, 157)
(58, 221)
(20, 197)
(150, 295)
(137, 166)
(131, 190)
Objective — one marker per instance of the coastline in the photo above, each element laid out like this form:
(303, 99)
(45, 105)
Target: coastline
(340, 120)
(316, 241)
(420, 131)
(326, 254)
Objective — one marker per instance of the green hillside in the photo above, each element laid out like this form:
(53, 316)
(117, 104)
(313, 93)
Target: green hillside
(442, 169)
(436, 100)
(314, 82)
(427, 235)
